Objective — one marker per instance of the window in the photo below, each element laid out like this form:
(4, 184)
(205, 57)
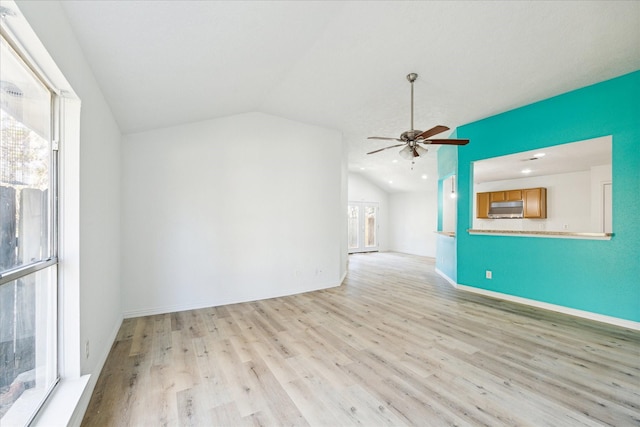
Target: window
(28, 241)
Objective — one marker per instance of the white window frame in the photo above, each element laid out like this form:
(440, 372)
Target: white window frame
(67, 403)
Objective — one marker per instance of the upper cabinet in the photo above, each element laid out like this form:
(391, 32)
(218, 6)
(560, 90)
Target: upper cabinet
(512, 195)
(497, 196)
(535, 202)
(505, 196)
(482, 202)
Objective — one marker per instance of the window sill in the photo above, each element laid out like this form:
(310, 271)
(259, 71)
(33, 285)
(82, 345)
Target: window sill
(61, 406)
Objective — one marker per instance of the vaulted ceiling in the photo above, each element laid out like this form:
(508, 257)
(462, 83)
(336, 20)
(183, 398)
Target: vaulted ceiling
(342, 65)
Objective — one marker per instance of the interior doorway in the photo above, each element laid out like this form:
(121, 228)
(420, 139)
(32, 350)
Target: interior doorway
(363, 227)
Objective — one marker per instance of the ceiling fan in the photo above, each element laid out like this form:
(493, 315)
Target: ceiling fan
(412, 138)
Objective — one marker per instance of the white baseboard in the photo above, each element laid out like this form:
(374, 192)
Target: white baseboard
(447, 278)
(83, 403)
(195, 305)
(629, 324)
(344, 276)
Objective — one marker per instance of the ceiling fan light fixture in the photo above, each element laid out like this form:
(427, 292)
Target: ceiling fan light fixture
(406, 153)
(453, 194)
(421, 151)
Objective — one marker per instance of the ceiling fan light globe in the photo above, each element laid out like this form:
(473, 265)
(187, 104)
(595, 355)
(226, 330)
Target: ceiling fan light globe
(421, 151)
(406, 153)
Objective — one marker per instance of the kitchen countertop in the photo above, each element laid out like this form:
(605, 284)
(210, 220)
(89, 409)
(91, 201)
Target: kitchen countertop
(541, 233)
(446, 233)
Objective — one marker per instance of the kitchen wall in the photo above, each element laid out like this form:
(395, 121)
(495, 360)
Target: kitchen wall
(568, 203)
(213, 216)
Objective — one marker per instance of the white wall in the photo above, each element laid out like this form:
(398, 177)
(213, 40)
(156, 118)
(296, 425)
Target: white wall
(363, 190)
(98, 182)
(600, 175)
(413, 221)
(228, 210)
(449, 204)
(568, 203)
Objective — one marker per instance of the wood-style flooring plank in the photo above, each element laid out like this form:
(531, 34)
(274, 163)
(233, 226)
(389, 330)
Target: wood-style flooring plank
(394, 345)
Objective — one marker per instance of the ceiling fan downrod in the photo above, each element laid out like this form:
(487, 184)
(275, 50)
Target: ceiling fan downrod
(412, 77)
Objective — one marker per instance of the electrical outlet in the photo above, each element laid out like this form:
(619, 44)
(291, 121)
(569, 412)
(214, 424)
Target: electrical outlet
(565, 226)
(488, 274)
(86, 349)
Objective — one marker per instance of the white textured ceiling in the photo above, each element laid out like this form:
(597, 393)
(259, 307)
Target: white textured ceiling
(342, 65)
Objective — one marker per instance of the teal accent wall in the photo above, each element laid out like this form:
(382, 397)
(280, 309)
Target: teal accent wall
(446, 246)
(598, 276)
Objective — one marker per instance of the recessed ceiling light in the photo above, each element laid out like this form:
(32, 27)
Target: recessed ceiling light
(424, 176)
(526, 171)
(390, 182)
(394, 161)
(361, 169)
(538, 155)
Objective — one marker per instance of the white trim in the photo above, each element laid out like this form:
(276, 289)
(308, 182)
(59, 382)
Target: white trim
(447, 278)
(195, 305)
(59, 410)
(69, 240)
(62, 406)
(629, 324)
(344, 276)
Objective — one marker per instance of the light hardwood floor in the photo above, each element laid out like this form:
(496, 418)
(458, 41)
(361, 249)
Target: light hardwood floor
(395, 345)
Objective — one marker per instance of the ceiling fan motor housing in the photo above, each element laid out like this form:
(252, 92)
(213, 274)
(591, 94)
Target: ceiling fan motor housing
(410, 135)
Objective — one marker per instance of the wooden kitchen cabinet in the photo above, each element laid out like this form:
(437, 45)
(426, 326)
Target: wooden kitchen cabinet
(505, 196)
(497, 196)
(482, 205)
(535, 202)
(512, 195)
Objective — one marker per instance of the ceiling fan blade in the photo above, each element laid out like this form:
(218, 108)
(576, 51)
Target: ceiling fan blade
(386, 148)
(433, 131)
(445, 141)
(385, 138)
